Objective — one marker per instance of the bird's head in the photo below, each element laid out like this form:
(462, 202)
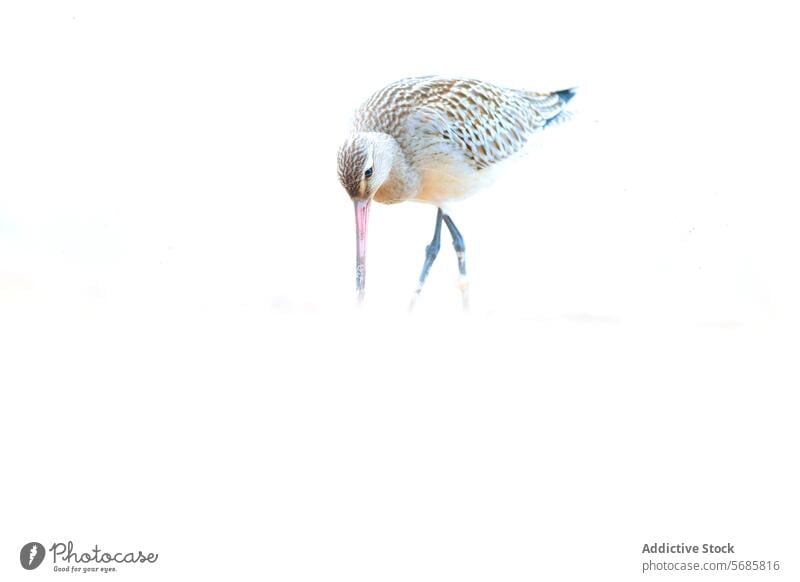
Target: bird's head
(364, 164)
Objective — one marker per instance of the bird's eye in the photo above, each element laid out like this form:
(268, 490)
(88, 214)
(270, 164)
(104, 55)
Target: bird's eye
(368, 173)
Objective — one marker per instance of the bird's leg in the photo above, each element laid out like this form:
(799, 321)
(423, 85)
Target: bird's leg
(430, 254)
(458, 245)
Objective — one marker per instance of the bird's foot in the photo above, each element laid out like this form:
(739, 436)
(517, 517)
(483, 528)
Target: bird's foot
(463, 285)
(414, 297)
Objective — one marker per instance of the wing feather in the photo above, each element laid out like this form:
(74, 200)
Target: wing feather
(485, 122)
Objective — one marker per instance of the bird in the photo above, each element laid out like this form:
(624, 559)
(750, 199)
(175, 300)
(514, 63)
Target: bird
(436, 140)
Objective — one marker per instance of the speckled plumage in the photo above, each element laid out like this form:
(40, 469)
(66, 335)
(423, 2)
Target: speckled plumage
(488, 123)
(452, 128)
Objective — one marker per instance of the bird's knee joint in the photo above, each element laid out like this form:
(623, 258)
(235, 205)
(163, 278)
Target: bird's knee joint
(432, 250)
(460, 248)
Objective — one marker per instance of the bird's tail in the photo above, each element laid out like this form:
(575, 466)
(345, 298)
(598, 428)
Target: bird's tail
(552, 106)
(566, 95)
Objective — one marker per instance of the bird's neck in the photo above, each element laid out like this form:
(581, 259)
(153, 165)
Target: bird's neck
(403, 181)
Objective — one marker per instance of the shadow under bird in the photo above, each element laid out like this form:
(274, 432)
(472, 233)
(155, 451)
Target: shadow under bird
(436, 140)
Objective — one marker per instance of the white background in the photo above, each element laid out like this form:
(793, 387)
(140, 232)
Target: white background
(182, 367)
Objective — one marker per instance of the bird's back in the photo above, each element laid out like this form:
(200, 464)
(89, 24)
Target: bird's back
(432, 117)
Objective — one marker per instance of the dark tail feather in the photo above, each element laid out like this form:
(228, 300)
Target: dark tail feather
(565, 96)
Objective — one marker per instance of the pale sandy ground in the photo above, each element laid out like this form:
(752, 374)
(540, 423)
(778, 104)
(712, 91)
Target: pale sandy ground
(366, 447)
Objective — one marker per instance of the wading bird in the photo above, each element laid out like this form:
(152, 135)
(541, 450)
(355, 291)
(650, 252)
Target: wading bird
(435, 140)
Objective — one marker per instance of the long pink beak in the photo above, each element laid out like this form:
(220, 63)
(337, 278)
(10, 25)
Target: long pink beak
(362, 214)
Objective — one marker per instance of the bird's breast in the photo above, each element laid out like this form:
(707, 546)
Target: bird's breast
(448, 182)
(435, 179)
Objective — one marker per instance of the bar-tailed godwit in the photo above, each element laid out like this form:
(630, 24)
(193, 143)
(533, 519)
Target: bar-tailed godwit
(435, 140)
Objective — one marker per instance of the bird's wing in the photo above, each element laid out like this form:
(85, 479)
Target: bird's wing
(486, 122)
